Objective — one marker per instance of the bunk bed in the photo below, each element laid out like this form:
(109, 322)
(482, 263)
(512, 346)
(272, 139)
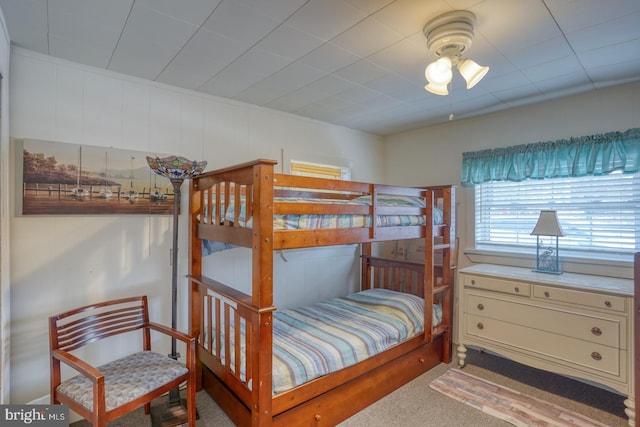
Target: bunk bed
(239, 336)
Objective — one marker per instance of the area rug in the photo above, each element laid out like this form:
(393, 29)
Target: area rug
(506, 404)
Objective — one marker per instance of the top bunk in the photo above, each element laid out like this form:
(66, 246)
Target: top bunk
(243, 205)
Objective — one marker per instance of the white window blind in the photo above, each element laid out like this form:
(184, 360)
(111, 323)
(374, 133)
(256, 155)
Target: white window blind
(320, 171)
(597, 213)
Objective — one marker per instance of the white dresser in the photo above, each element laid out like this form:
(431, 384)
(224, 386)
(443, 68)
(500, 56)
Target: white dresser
(572, 324)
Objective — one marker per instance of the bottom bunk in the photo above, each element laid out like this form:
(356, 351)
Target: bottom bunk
(328, 360)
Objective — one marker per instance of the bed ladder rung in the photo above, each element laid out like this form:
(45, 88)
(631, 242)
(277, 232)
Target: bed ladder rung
(441, 246)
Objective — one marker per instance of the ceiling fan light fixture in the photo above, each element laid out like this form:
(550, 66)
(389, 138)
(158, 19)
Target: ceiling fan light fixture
(472, 72)
(448, 37)
(439, 72)
(437, 89)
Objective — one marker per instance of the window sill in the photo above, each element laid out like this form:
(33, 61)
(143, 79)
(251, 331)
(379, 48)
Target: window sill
(612, 266)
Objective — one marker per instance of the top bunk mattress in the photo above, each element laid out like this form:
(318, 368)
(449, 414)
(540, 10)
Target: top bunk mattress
(398, 204)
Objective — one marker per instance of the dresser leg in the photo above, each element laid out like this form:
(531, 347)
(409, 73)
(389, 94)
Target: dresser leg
(462, 354)
(630, 410)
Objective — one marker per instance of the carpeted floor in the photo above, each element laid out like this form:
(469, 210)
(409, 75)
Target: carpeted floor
(416, 404)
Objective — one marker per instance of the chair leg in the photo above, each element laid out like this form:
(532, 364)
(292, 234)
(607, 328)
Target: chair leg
(191, 403)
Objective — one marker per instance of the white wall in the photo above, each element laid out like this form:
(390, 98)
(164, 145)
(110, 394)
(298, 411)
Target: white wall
(434, 155)
(4, 215)
(60, 262)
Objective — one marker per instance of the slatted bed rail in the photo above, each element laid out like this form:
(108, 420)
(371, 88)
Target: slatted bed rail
(226, 335)
(232, 200)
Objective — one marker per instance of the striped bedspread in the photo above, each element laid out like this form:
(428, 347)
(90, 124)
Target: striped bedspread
(317, 221)
(318, 339)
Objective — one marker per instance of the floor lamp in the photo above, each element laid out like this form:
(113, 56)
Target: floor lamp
(176, 169)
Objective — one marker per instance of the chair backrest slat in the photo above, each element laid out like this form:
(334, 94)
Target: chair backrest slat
(88, 324)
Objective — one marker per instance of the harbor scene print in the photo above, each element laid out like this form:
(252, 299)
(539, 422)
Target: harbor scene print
(72, 179)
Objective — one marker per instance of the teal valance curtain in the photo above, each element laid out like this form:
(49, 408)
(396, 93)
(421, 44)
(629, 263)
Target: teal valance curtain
(587, 155)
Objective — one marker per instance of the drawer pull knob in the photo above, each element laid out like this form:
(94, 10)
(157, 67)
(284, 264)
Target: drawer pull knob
(517, 289)
(546, 294)
(480, 326)
(596, 356)
(596, 331)
(607, 304)
(480, 307)
(473, 282)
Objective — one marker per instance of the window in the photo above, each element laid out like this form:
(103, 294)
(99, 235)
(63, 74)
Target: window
(320, 171)
(599, 214)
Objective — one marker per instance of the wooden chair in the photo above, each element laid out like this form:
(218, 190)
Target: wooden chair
(102, 394)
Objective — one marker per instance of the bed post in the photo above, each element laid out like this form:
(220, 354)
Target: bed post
(262, 292)
(195, 268)
(365, 254)
(428, 268)
(449, 264)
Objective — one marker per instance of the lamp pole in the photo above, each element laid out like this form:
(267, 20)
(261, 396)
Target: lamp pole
(176, 169)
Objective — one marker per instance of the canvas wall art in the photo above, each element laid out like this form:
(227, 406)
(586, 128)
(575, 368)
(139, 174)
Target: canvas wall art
(71, 179)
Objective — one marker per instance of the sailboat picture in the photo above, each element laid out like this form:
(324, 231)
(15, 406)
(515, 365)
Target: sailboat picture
(68, 179)
(105, 191)
(131, 194)
(78, 192)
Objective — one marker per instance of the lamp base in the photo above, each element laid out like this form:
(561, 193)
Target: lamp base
(170, 414)
(546, 271)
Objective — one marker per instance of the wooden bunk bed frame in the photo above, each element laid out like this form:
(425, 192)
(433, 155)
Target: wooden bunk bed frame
(334, 397)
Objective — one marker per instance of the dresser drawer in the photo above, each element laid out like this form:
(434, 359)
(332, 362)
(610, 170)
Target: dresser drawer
(577, 354)
(497, 285)
(599, 329)
(588, 299)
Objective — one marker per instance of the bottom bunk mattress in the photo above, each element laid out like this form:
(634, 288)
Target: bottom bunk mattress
(315, 340)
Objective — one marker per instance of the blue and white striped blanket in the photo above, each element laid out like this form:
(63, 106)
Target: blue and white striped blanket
(321, 338)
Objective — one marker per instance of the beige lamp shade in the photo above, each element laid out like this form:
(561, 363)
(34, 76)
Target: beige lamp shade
(472, 72)
(437, 89)
(548, 225)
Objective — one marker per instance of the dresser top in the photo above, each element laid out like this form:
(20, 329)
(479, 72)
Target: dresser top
(570, 280)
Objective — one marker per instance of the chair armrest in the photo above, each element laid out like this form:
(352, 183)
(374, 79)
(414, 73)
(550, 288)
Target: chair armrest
(79, 365)
(172, 332)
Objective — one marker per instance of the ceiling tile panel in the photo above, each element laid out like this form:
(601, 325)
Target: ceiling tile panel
(357, 94)
(367, 37)
(288, 42)
(249, 69)
(276, 9)
(27, 24)
(361, 72)
(197, 12)
(238, 21)
(329, 58)
(510, 26)
(577, 15)
(77, 50)
(202, 57)
(326, 18)
(601, 35)
(408, 17)
(554, 69)
(293, 77)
